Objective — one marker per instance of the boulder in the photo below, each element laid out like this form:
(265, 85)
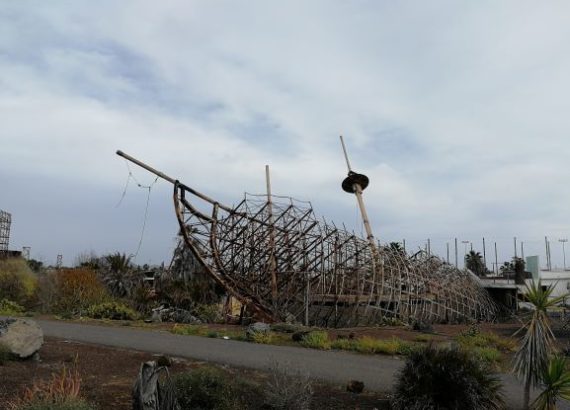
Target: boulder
(22, 337)
(257, 327)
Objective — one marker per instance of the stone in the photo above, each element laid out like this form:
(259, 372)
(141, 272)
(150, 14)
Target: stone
(22, 337)
(257, 327)
(355, 386)
(300, 335)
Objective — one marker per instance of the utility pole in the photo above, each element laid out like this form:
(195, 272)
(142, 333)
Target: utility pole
(447, 248)
(484, 254)
(456, 258)
(515, 242)
(522, 250)
(496, 258)
(429, 247)
(404, 243)
(547, 253)
(563, 241)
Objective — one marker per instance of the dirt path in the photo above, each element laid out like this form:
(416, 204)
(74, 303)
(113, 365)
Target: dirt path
(377, 372)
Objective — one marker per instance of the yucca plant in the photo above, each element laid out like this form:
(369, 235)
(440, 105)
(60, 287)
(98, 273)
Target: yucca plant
(531, 359)
(555, 385)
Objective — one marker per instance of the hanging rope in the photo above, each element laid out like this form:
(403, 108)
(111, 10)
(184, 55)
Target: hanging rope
(148, 188)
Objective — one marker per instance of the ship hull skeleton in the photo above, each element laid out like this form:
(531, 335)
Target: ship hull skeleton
(281, 262)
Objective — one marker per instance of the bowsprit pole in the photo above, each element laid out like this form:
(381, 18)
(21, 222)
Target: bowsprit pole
(355, 184)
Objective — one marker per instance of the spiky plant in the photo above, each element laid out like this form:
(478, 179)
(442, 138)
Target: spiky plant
(555, 385)
(435, 378)
(531, 359)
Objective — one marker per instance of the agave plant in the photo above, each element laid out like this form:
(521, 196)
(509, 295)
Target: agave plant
(531, 359)
(555, 384)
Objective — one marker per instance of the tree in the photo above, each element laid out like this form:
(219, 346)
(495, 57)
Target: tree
(117, 274)
(555, 384)
(531, 359)
(474, 262)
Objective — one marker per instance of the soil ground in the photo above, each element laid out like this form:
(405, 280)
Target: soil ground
(108, 375)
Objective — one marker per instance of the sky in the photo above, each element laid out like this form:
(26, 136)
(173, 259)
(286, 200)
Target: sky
(457, 111)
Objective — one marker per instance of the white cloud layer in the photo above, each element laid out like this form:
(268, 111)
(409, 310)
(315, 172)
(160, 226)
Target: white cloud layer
(457, 111)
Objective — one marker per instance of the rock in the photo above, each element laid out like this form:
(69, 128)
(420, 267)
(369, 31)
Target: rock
(163, 361)
(23, 337)
(300, 335)
(257, 327)
(355, 386)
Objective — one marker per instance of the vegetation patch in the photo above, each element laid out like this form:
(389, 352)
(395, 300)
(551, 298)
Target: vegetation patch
(112, 310)
(8, 308)
(17, 282)
(210, 388)
(316, 340)
(435, 378)
(369, 345)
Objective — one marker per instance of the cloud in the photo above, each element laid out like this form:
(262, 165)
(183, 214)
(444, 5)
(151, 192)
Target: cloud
(456, 111)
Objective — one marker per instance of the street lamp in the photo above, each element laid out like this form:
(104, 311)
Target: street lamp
(563, 241)
(465, 243)
(465, 253)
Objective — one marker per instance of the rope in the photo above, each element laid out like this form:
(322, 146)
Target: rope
(147, 187)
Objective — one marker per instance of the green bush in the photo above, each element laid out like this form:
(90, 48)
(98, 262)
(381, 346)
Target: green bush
(446, 379)
(264, 338)
(210, 388)
(17, 282)
(316, 340)
(7, 308)
(208, 313)
(111, 310)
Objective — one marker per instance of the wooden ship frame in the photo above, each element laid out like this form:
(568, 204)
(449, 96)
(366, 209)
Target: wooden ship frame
(273, 255)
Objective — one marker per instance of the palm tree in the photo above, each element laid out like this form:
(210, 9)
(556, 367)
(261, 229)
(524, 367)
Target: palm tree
(474, 262)
(531, 359)
(555, 384)
(117, 274)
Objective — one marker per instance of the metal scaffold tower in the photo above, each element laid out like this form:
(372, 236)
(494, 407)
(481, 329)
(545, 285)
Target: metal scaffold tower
(5, 222)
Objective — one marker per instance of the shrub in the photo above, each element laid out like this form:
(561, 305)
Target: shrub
(61, 392)
(111, 310)
(77, 289)
(316, 340)
(446, 378)
(264, 338)
(7, 307)
(17, 281)
(210, 388)
(288, 390)
(208, 313)
(344, 344)
(189, 330)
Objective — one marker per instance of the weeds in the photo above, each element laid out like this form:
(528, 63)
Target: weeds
(9, 308)
(316, 340)
(288, 389)
(211, 388)
(61, 392)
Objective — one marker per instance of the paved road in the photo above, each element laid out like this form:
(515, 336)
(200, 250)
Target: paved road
(377, 372)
